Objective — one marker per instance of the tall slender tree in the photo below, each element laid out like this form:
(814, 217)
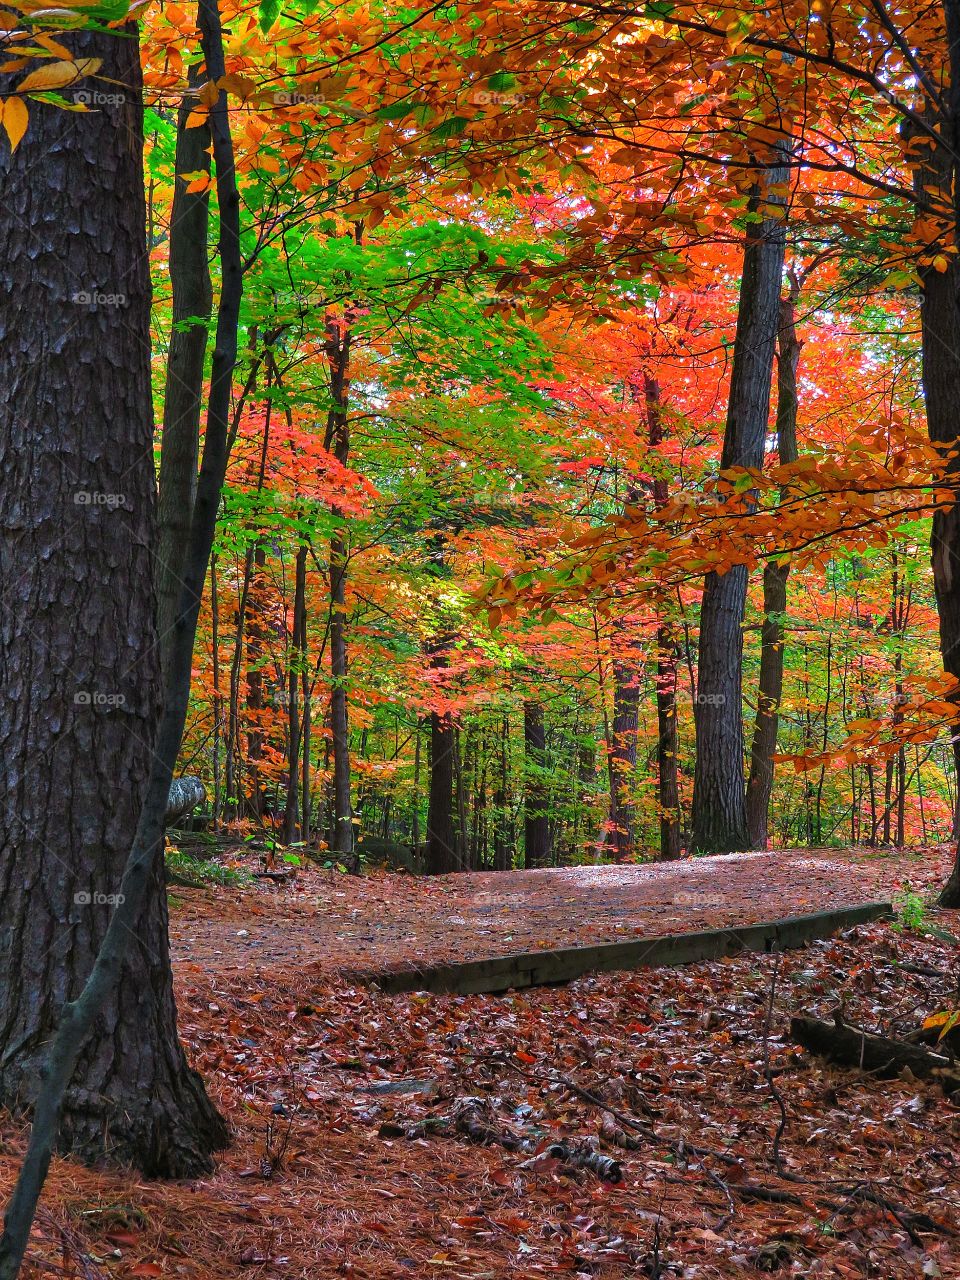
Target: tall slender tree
(719, 817)
(775, 574)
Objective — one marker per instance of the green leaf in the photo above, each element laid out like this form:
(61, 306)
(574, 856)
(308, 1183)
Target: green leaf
(451, 128)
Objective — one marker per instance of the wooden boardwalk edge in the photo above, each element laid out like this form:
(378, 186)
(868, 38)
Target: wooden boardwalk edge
(547, 968)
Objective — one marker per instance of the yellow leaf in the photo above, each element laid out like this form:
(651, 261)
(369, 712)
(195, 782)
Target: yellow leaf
(56, 75)
(239, 85)
(197, 118)
(15, 118)
(55, 47)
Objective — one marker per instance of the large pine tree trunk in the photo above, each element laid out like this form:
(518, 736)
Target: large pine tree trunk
(192, 299)
(536, 823)
(79, 674)
(773, 632)
(719, 817)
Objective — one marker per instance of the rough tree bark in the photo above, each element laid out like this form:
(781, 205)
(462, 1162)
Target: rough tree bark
(114, 1020)
(442, 846)
(338, 441)
(719, 818)
(775, 573)
(192, 301)
(502, 842)
(185, 794)
(668, 741)
(938, 179)
(536, 801)
(296, 667)
(623, 756)
(78, 665)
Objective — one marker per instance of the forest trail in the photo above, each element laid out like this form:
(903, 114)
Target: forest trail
(331, 924)
(318, 1076)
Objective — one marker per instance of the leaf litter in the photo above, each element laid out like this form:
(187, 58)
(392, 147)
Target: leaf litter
(624, 1125)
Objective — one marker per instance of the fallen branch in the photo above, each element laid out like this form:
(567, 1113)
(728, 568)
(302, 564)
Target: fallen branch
(184, 796)
(584, 1157)
(471, 1118)
(879, 1055)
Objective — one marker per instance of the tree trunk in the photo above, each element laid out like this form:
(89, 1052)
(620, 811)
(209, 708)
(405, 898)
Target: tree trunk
(78, 654)
(938, 178)
(338, 441)
(441, 833)
(772, 634)
(502, 844)
(536, 811)
(668, 739)
(298, 645)
(256, 645)
(623, 757)
(192, 300)
(217, 693)
(719, 817)
(668, 746)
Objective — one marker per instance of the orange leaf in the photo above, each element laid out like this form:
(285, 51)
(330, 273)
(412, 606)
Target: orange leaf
(15, 117)
(57, 75)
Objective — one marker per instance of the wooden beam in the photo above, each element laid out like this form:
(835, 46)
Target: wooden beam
(547, 968)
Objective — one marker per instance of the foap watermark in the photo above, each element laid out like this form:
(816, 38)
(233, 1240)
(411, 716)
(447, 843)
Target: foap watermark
(97, 98)
(496, 98)
(98, 698)
(93, 498)
(96, 899)
(688, 898)
(98, 298)
(293, 98)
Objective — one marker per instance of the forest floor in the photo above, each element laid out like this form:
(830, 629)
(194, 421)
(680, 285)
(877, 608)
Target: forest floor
(334, 924)
(356, 1115)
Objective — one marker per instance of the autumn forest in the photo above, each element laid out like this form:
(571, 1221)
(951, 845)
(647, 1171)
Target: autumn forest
(460, 459)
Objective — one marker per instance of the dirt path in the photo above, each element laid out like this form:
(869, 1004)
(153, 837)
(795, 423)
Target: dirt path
(344, 1163)
(332, 924)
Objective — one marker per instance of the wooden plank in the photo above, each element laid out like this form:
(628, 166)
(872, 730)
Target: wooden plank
(545, 968)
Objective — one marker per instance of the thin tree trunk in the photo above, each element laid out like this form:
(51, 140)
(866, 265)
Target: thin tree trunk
(295, 668)
(338, 441)
(775, 573)
(536, 824)
(306, 800)
(217, 693)
(174, 1128)
(192, 301)
(254, 682)
(442, 854)
(415, 816)
(668, 742)
(719, 817)
(502, 849)
(668, 746)
(623, 757)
